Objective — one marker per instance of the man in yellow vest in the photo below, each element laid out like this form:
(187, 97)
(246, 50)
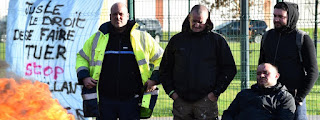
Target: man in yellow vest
(118, 60)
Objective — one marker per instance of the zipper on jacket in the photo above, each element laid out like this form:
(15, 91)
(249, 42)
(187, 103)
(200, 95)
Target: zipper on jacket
(188, 55)
(275, 54)
(119, 71)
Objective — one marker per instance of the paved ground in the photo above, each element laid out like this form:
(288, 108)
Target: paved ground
(310, 117)
(314, 117)
(161, 118)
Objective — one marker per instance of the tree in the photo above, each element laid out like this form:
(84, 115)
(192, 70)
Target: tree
(3, 28)
(231, 6)
(311, 6)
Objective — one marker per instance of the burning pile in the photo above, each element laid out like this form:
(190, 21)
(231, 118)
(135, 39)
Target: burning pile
(27, 100)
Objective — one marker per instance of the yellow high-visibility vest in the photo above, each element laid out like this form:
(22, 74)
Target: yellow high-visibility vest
(145, 49)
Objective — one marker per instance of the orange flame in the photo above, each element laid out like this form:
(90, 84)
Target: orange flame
(27, 100)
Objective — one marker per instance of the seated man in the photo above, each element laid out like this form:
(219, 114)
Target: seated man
(266, 100)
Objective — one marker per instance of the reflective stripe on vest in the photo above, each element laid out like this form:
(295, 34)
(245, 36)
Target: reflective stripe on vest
(142, 41)
(142, 62)
(119, 52)
(156, 68)
(94, 46)
(82, 54)
(98, 63)
(157, 55)
(89, 96)
(82, 68)
(155, 92)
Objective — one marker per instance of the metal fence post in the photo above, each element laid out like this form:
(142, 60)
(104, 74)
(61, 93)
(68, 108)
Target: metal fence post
(244, 26)
(279, 1)
(168, 20)
(131, 9)
(316, 25)
(189, 5)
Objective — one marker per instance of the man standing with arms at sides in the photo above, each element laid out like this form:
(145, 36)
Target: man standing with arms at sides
(297, 63)
(196, 68)
(266, 100)
(117, 59)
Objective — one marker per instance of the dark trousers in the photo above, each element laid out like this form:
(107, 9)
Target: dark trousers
(203, 109)
(124, 110)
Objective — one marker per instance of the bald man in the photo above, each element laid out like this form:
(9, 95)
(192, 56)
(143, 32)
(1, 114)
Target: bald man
(116, 60)
(196, 68)
(266, 100)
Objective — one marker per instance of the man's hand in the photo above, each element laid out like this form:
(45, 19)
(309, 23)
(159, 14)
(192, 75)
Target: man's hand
(151, 85)
(212, 97)
(174, 96)
(89, 82)
(297, 100)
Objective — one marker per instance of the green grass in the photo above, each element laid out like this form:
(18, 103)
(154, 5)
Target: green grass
(310, 31)
(164, 104)
(2, 58)
(165, 35)
(2, 50)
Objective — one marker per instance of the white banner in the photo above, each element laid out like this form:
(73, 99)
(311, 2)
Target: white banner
(43, 38)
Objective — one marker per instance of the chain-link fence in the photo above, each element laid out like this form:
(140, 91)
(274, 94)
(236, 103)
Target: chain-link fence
(226, 16)
(163, 19)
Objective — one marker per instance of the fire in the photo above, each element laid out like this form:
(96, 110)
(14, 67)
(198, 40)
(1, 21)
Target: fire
(27, 100)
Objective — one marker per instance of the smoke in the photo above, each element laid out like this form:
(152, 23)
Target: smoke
(3, 67)
(4, 73)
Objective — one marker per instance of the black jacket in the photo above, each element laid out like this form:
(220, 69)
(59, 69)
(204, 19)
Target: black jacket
(280, 49)
(195, 64)
(258, 103)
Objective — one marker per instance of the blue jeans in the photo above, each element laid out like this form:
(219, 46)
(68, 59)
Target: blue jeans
(124, 110)
(301, 111)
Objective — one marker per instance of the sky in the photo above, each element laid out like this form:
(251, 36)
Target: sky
(4, 4)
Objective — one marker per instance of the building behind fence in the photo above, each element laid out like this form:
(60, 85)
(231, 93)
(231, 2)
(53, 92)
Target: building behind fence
(170, 15)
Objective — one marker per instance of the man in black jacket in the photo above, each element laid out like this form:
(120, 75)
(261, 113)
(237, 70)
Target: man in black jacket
(280, 48)
(196, 68)
(266, 100)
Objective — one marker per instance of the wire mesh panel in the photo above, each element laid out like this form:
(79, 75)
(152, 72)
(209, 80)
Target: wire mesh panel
(226, 16)
(307, 22)
(163, 19)
(3, 27)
